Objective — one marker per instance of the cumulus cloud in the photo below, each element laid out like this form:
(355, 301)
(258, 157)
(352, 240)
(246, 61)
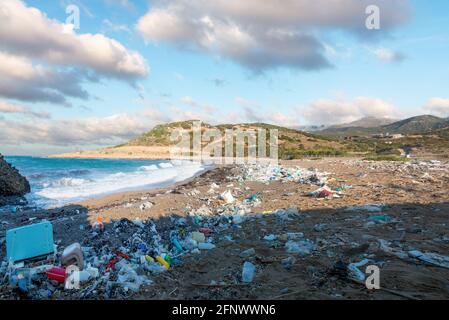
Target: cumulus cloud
(93, 130)
(21, 80)
(205, 108)
(10, 108)
(388, 55)
(67, 59)
(253, 112)
(264, 34)
(437, 106)
(327, 111)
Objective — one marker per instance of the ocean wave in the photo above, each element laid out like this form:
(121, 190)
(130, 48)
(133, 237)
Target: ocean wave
(165, 165)
(149, 168)
(66, 190)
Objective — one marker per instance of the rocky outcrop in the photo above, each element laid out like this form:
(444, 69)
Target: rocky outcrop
(12, 184)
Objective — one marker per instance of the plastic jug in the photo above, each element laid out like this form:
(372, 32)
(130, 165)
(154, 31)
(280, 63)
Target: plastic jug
(73, 255)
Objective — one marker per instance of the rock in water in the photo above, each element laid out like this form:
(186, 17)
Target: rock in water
(12, 183)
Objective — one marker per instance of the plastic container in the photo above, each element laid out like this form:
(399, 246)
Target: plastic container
(248, 272)
(163, 262)
(73, 255)
(206, 246)
(57, 274)
(177, 245)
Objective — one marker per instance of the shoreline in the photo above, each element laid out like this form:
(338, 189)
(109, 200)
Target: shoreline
(405, 206)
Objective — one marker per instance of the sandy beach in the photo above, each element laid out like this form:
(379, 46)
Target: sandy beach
(408, 199)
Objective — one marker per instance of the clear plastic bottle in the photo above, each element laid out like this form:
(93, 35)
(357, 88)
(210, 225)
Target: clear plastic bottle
(248, 272)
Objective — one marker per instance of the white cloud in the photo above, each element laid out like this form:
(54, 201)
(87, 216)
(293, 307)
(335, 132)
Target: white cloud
(21, 80)
(6, 107)
(388, 55)
(93, 130)
(326, 111)
(205, 108)
(44, 60)
(264, 34)
(253, 112)
(108, 25)
(437, 106)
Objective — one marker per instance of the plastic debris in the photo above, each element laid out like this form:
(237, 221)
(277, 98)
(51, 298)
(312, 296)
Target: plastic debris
(198, 237)
(146, 205)
(57, 274)
(380, 218)
(303, 247)
(206, 246)
(248, 272)
(270, 237)
(73, 255)
(322, 192)
(431, 258)
(288, 263)
(227, 197)
(248, 253)
(354, 271)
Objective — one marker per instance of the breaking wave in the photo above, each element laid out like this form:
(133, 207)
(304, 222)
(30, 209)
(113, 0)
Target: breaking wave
(89, 179)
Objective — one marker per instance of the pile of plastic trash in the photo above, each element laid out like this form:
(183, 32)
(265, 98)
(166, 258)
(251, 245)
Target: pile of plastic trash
(265, 172)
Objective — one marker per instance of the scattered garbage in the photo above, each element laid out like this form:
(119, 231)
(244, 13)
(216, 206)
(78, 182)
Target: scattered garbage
(248, 253)
(288, 263)
(248, 272)
(227, 197)
(270, 237)
(303, 247)
(120, 257)
(380, 218)
(431, 258)
(322, 192)
(367, 207)
(198, 237)
(146, 205)
(354, 271)
(206, 246)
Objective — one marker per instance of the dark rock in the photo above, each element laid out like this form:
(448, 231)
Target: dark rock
(12, 183)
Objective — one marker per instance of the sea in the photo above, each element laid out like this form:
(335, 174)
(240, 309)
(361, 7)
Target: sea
(56, 182)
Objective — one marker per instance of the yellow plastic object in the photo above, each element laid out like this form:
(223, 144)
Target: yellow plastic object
(163, 262)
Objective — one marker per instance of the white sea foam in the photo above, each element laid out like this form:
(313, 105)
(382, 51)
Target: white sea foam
(67, 190)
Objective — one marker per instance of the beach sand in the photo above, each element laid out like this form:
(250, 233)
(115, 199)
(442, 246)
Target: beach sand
(417, 203)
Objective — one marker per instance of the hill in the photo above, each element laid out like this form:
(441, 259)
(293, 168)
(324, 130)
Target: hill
(292, 143)
(156, 143)
(417, 124)
(366, 122)
(413, 125)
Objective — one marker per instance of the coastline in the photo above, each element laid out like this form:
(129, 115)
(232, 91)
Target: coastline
(408, 206)
(128, 153)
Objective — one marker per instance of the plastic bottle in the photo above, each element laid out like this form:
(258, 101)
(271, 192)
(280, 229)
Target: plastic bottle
(206, 246)
(177, 244)
(248, 272)
(163, 262)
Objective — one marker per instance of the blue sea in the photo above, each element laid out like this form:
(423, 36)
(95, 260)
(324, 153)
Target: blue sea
(55, 182)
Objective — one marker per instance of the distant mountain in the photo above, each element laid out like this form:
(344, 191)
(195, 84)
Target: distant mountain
(366, 122)
(418, 124)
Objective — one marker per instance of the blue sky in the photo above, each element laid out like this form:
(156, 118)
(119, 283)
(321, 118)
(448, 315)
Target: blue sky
(222, 62)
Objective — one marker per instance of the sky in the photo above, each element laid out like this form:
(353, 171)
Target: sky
(72, 81)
